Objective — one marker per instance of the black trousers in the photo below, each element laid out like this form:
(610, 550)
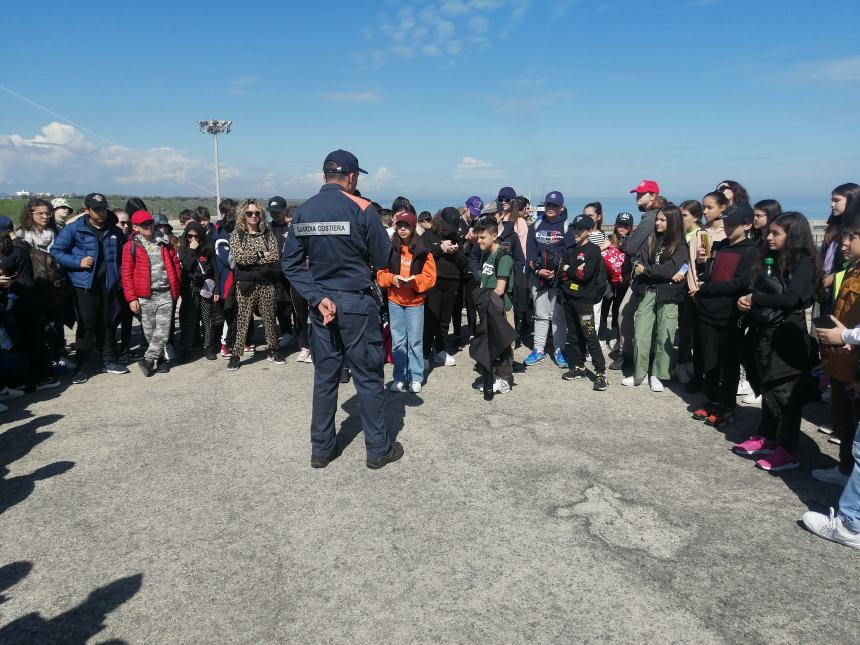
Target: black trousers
(28, 319)
(438, 309)
(582, 334)
(781, 407)
(96, 332)
(844, 414)
(465, 299)
(721, 361)
(612, 305)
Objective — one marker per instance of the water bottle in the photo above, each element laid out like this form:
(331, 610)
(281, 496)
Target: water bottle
(769, 270)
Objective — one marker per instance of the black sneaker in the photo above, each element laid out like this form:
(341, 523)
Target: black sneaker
(145, 367)
(80, 377)
(393, 454)
(574, 373)
(321, 461)
(277, 358)
(617, 364)
(600, 383)
(48, 383)
(163, 367)
(211, 355)
(114, 368)
(233, 364)
(345, 376)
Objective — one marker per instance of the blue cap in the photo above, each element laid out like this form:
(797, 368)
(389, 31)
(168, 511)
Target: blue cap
(554, 197)
(342, 162)
(507, 193)
(5, 224)
(475, 205)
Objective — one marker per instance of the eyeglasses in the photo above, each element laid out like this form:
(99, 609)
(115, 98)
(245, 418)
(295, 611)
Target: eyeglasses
(253, 213)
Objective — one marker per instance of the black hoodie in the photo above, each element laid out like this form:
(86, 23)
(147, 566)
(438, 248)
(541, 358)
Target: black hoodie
(728, 279)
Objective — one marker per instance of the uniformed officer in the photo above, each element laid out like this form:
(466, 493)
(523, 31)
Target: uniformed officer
(340, 235)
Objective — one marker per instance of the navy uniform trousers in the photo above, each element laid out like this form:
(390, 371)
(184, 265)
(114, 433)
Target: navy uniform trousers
(354, 335)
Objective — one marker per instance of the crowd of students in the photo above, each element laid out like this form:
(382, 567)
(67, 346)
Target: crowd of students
(713, 294)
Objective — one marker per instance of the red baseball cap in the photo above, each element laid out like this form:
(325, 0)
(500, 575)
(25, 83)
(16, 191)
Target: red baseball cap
(647, 186)
(405, 216)
(141, 217)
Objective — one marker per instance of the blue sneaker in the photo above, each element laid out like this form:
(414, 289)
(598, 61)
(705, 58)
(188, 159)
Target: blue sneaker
(560, 360)
(535, 356)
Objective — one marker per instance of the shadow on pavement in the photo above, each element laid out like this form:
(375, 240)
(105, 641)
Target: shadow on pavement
(394, 409)
(16, 443)
(11, 574)
(78, 625)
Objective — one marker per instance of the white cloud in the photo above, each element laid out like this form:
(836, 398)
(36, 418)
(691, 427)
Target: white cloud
(366, 96)
(832, 71)
(476, 169)
(61, 158)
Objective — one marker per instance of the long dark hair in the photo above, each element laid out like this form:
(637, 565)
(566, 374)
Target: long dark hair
(133, 205)
(674, 234)
(402, 204)
(739, 193)
(694, 208)
(27, 215)
(772, 209)
(598, 207)
(799, 243)
(851, 193)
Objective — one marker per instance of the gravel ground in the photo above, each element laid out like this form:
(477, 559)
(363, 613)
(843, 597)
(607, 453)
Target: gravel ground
(183, 509)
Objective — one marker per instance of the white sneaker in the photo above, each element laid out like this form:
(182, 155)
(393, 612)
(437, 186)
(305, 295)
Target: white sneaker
(831, 528)
(656, 385)
(744, 388)
(830, 476)
(630, 381)
(444, 358)
(751, 399)
(501, 386)
(415, 387)
(397, 386)
(8, 393)
(681, 375)
(304, 356)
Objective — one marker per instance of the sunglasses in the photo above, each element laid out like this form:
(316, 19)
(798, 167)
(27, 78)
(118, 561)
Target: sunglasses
(253, 213)
(504, 200)
(403, 225)
(145, 224)
(192, 236)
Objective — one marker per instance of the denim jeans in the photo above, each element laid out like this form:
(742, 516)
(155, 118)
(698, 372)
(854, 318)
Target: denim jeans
(849, 503)
(407, 334)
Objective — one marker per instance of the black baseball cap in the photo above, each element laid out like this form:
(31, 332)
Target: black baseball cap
(624, 219)
(737, 214)
(95, 201)
(583, 223)
(277, 204)
(343, 162)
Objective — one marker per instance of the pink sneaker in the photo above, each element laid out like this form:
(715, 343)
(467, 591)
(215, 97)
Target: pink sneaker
(779, 459)
(754, 446)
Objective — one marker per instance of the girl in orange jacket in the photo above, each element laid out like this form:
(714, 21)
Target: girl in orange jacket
(410, 273)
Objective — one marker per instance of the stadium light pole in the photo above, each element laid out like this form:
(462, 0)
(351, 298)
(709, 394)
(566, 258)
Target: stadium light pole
(216, 127)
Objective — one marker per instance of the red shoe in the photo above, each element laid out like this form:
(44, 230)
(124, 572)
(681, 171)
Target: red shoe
(705, 411)
(720, 418)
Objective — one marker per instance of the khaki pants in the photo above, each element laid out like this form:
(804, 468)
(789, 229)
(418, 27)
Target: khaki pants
(658, 325)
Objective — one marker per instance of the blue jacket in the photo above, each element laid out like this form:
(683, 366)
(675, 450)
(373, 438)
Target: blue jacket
(340, 235)
(547, 240)
(76, 241)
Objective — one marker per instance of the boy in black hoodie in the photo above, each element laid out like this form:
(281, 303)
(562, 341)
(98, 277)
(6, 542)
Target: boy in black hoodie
(722, 338)
(583, 283)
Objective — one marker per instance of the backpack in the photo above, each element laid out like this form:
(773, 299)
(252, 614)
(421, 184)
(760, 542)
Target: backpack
(51, 282)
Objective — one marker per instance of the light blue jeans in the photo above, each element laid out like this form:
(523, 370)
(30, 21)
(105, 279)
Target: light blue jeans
(407, 333)
(849, 503)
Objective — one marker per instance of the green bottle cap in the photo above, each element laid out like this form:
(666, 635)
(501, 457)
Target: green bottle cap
(768, 261)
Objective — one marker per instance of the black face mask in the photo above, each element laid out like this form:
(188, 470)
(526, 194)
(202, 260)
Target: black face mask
(642, 209)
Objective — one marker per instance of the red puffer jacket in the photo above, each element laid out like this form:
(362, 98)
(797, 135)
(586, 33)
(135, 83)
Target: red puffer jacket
(136, 277)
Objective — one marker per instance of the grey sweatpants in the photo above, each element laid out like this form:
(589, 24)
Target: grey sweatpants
(156, 313)
(548, 309)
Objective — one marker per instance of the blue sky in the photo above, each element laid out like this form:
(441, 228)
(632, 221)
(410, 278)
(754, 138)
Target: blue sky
(439, 100)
